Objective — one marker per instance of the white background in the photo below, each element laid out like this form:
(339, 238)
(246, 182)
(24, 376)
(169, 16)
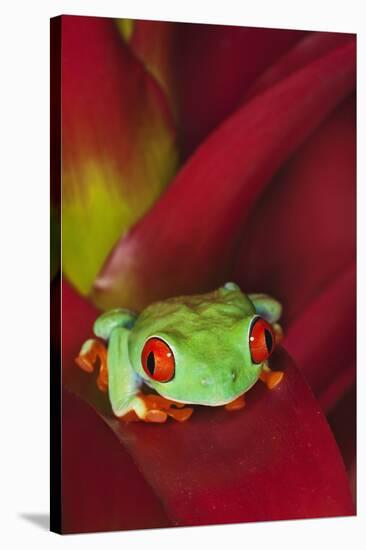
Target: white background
(24, 269)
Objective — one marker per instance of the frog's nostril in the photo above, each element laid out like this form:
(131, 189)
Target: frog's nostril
(233, 375)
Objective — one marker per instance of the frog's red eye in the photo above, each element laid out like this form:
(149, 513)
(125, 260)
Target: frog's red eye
(261, 340)
(158, 360)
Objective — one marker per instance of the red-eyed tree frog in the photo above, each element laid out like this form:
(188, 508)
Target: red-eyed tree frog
(206, 349)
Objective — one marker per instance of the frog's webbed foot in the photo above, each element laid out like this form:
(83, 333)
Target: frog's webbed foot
(155, 408)
(92, 353)
(236, 405)
(269, 377)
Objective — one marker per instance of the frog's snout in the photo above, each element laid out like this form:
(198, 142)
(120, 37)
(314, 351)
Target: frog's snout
(211, 381)
(220, 387)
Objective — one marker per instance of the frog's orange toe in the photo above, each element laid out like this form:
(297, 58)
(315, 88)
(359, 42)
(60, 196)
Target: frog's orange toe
(92, 353)
(102, 383)
(181, 415)
(84, 363)
(271, 378)
(274, 379)
(154, 415)
(131, 416)
(236, 405)
(159, 408)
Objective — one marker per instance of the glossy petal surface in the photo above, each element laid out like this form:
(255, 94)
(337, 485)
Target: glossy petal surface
(118, 143)
(102, 489)
(302, 232)
(152, 42)
(310, 47)
(214, 67)
(268, 200)
(274, 459)
(342, 420)
(300, 245)
(189, 240)
(323, 340)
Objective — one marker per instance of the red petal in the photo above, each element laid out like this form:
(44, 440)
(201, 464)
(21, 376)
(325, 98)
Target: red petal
(275, 459)
(189, 239)
(298, 243)
(79, 316)
(214, 66)
(312, 46)
(342, 420)
(302, 232)
(323, 340)
(284, 464)
(152, 42)
(118, 143)
(102, 489)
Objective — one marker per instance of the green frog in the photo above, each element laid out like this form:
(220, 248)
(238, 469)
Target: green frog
(206, 349)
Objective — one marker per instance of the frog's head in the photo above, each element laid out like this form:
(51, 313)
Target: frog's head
(205, 349)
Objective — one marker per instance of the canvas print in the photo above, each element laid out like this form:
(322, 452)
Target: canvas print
(203, 317)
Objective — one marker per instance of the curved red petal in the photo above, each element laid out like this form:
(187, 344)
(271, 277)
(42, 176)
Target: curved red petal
(152, 42)
(102, 489)
(323, 340)
(118, 143)
(302, 232)
(188, 241)
(78, 317)
(275, 459)
(342, 420)
(310, 47)
(214, 66)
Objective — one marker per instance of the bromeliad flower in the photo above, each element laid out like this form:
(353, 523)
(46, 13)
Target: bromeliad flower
(264, 194)
(118, 144)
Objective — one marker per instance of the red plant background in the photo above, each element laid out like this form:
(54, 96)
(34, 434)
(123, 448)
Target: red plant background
(192, 155)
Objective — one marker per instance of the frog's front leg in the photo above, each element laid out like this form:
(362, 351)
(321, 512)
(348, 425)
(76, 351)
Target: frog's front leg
(124, 387)
(116, 375)
(94, 351)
